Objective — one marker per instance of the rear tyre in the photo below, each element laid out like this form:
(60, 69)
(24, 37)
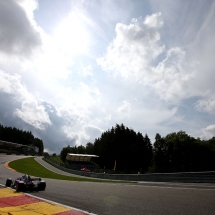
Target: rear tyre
(20, 186)
(8, 182)
(41, 185)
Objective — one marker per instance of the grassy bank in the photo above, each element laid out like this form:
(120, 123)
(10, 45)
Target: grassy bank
(31, 167)
(55, 159)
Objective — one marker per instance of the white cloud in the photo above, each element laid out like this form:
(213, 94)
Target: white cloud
(32, 112)
(88, 134)
(153, 65)
(12, 84)
(92, 130)
(86, 71)
(134, 48)
(137, 55)
(140, 116)
(206, 104)
(79, 98)
(17, 35)
(26, 46)
(29, 6)
(82, 135)
(71, 36)
(60, 49)
(192, 30)
(172, 80)
(8, 82)
(124, 108)
(209, 131)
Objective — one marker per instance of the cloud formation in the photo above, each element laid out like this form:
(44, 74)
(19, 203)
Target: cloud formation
(17, 35)
(97, 63)
(135, 53)
(31, 111)
(207, 104)
(209, 131)
(136, 45)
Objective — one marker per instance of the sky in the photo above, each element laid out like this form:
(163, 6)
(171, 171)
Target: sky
(72, 69)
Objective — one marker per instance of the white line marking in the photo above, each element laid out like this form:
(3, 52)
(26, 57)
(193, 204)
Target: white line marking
(179, 184)
(170, 187)
(60, 204)
(46, 200)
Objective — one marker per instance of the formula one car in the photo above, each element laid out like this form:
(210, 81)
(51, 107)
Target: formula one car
(85, 169)
(26, 183)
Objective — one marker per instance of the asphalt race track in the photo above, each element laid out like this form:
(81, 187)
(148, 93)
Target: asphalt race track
(122, 199)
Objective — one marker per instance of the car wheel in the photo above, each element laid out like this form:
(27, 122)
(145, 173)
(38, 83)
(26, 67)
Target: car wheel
(20, 186)
(41, 185)
(8, 182)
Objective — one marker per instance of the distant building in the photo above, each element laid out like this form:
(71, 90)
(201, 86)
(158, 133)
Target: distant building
(78, 161)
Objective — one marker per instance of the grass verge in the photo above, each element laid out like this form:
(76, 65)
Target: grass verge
(55, 159)
(31, 167)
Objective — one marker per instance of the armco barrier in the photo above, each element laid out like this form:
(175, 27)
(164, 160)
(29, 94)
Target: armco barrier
(187, 177)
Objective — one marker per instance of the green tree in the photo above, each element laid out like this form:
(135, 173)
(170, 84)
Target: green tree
(159, 154)
(129, 149)
(15, 135)
(64, 152)
(38, 143)
(179, 152)
(90, 148)
(81, 150)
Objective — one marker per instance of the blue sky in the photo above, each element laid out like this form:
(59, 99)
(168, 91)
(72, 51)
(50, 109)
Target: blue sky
(70, 70)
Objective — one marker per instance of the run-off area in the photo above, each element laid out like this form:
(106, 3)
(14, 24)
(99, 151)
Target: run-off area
(16, 203)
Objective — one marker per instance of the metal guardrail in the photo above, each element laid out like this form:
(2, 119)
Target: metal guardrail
(185, 177)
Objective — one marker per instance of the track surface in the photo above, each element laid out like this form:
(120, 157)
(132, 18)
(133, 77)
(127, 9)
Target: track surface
(142, 198)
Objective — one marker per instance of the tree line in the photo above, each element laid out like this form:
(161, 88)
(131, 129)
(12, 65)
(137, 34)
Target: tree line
(15, 135)
(179, 152)
(132, 152)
